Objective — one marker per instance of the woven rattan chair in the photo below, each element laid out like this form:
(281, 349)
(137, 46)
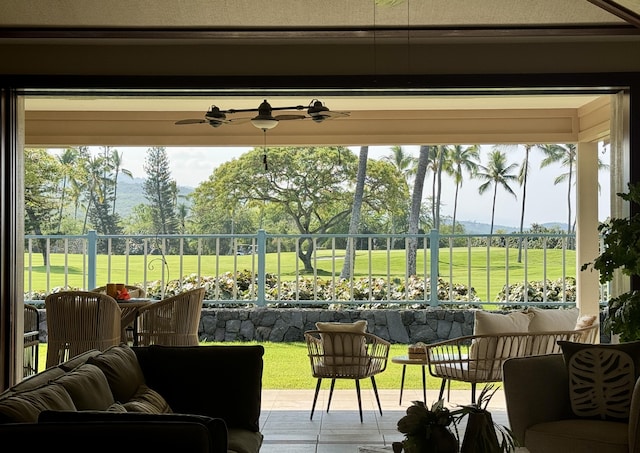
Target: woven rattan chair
(78, 321)
(346, 355)
(173, 321)
(478, 359)
(31, 340)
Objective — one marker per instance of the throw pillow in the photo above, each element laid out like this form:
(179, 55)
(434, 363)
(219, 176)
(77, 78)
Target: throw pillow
(25, 407)
(120, 365)
(483, 352)
(552, 319)
(149, 401)
(601, 378)
(343, 349)
(88, 388)
(487, 323)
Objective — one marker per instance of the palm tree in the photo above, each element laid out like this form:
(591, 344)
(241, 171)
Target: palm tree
(116, 161)
(496, 173)
(404, 162)
(522, 179)
(462, 158)
(67, 160)
(416, 202)
(354, 222)
(565, 155)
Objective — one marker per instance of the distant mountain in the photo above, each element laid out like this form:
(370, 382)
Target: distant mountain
(472, 227)
(130, 194)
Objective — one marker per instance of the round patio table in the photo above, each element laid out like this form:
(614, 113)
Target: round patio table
(404, 360)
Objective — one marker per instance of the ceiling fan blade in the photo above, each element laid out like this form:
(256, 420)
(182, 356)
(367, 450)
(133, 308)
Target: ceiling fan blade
(191, 121)
(238, 120)
(289, 117)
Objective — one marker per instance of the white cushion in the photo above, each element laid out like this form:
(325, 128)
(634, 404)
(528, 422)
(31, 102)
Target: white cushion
(553, 320)
(487, 323)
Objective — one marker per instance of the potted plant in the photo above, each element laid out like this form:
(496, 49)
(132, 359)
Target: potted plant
(427, 430)
(621, 250)
(481, 433)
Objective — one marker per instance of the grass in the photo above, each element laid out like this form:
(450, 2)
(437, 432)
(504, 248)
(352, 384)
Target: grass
(461, 265)
(287, 367)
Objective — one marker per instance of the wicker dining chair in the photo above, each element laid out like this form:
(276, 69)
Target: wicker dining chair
(78, 321)
(346, 355)
(172, 321)
(31, 340)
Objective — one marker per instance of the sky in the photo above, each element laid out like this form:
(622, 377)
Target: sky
(546, 202)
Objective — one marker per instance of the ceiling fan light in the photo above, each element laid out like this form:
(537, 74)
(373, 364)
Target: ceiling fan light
(264, 122)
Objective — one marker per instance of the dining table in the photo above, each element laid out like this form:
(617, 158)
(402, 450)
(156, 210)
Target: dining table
(129, 318)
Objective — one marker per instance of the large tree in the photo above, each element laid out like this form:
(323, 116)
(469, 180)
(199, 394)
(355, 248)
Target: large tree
(311, 186)
(41, 178)
(160, 190)
(497, 173)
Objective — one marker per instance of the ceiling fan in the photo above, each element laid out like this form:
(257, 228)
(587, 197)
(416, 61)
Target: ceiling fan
(315, 111)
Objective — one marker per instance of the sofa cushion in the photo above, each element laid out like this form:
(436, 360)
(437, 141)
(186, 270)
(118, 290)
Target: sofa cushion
(26, 406)
(237, 370)
(601, 378)
(147, 400)
(553, 320)
(578, 435)
(88, 387)
(122, 370)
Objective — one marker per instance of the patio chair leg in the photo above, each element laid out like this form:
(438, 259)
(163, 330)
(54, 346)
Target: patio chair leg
(442, 386)
(473, 393)
(315, 398)
(375, 391)
(359, 399)
(333, 382)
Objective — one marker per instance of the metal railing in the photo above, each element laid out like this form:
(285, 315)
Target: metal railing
(264, 268)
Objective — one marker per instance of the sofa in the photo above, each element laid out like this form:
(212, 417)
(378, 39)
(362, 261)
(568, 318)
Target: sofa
(541, 414)
(156, 398)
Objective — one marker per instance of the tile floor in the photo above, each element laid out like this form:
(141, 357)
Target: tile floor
(287, 429)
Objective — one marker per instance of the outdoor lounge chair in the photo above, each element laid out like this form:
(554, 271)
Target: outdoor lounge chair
(340, 354)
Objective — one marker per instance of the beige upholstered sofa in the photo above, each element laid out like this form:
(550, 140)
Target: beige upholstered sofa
(540, 415)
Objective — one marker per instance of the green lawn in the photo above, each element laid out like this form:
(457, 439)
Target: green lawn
(286, 366)
(467, 266)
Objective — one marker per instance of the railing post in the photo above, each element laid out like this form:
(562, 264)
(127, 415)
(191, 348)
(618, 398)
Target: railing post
(262, 257)
(92, 259)
(434, 247)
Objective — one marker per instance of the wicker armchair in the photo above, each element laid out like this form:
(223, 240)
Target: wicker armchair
(173, 321)
(78, 321)
(31, 340)
(346, 355)
(479, 358)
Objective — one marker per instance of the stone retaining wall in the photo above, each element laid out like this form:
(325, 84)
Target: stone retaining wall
(288, 324)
